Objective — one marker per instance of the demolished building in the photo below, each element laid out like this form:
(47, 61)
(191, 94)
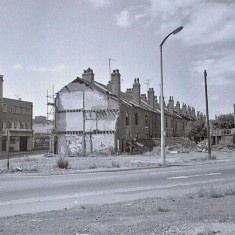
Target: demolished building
(90, 116)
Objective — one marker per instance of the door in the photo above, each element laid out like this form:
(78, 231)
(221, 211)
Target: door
(23, 143)
(4, 144)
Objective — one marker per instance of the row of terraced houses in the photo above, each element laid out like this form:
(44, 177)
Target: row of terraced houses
(91, 116)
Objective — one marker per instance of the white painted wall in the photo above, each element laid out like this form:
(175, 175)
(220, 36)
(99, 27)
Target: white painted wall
(73, 121)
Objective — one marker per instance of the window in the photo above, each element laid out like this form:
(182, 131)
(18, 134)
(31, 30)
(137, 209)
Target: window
(17, 109)
(15, 125)
(127, 119)
(4, 107)
(22, 125)
(136, 118)
(171, 123)
(146, 120)
(12, 140)
(12, 109)
(23, 110)
(166, 122)
(4, 125)
(27, 125)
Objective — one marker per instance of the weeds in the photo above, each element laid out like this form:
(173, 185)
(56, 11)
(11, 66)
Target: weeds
(62, 163)
(206, 231)
(92, 166)
(214, 192)
(115, 164)
(162, 209)
(229, 191)
(213, 157)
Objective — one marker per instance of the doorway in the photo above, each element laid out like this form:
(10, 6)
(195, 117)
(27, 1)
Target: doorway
(23, 143)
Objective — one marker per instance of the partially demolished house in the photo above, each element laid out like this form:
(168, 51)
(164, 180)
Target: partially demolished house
(90, 116)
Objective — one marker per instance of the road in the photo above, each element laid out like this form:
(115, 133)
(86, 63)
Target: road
(20, 194)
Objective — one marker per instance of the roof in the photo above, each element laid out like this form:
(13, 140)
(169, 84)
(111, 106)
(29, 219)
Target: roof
(125, 98)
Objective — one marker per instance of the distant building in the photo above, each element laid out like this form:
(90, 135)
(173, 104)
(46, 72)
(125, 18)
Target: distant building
(16, 117)
(90, 116)
(42, 130)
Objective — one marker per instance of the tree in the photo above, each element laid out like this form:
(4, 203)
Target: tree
(196, 130)
(224, 121)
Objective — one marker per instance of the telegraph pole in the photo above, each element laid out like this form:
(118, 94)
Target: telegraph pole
(8, 146)
(84, 124)
(207, 118)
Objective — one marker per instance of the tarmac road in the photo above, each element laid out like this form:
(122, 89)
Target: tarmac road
(20, 194)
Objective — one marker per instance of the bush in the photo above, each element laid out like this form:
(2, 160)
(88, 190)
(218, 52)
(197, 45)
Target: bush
(162, 209)
(92, 166)
(62, 163)
(115, 164)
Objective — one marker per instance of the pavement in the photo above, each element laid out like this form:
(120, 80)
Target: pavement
(4, 155)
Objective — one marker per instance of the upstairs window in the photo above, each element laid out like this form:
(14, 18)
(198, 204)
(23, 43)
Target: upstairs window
(12, 108)
(127, 119)
(4, 109)
(146, 120)
(136, 118)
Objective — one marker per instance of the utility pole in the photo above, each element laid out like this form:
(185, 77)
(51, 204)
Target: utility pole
(51, 102)
(84, 124)
(8, 146)
(207, 118)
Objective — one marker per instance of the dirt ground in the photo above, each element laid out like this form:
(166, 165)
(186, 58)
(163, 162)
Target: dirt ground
(47, 164)
(189, 214)
(179, 215)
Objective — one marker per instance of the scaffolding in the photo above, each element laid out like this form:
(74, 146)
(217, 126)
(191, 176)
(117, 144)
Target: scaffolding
(51, 117)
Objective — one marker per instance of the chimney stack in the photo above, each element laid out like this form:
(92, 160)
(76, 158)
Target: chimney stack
(116, 83)
(193, 114)
(177, 107)
(189, 111)
(129, 91)
(171, 105)
(88, 75)
(184, 109)
(143, 97)
(136, 91)
(1, 86)
(151, 97)
(156, 104)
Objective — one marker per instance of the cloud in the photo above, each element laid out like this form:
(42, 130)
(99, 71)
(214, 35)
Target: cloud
(17, 67)
(99, 3)
(204, 21)
(123, 19)
(220, 70)
(58, 69)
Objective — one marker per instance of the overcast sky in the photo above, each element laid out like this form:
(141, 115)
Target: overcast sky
(50, 42)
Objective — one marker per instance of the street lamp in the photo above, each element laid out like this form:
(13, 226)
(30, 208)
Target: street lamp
(162, 100)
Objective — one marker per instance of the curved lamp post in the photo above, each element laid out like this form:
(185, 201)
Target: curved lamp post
(163, 133)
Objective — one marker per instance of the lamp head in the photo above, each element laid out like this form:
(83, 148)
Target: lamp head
(177, 30)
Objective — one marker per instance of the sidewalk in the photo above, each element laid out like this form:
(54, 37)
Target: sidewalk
(4, 154)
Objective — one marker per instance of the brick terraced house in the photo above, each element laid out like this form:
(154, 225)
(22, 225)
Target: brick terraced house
(90, 116)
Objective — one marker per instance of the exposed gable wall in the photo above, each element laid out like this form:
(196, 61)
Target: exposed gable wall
(101, 112)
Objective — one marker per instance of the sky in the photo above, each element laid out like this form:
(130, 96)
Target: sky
(48, 43)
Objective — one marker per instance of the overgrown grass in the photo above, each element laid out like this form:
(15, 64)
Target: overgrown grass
(115, 164)
(162, 209)
(206, 231)
(216, 192)
(62, 162)
(92, 166)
